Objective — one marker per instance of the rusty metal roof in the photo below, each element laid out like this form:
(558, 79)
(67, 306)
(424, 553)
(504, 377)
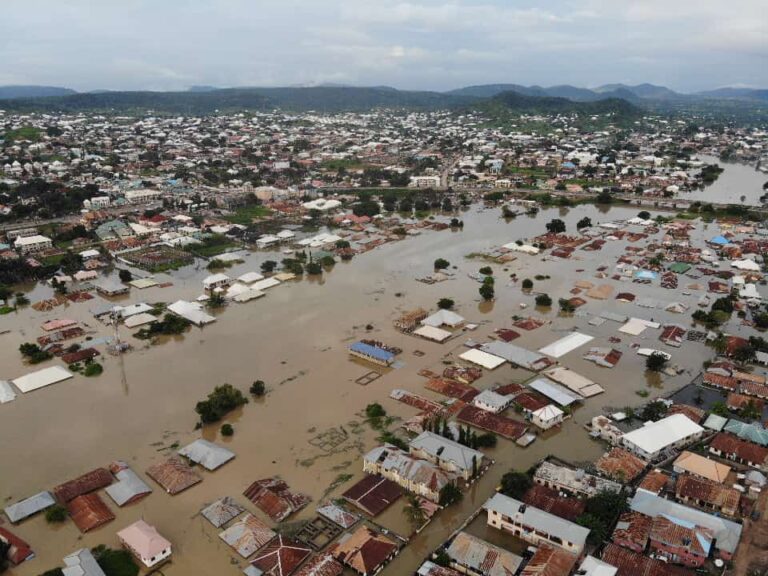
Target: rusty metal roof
(89, 511)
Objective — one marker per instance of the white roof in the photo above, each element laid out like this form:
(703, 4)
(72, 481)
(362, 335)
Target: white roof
(435, 445)
(526, 248)
(432, 333)
(574, 381)
(488, 361)
(209, 455)
(133, 309)
(636, 326)
(547, 413)
(215, 279)
(250, 277)
(746, 265)
(656, 436)
(264, 284)
(553, 391)
(494, 400)
(28, 240)
(139, 320)
(42, 378)
(6, 392)
(566, 344)
(594, 567)
(192, 311)
(443, 317)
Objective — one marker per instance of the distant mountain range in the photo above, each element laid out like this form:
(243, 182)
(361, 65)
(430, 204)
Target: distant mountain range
(619, 98)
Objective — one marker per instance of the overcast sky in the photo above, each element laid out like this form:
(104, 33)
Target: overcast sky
(417, 44)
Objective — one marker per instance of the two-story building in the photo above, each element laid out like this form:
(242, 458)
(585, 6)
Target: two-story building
(447, 454)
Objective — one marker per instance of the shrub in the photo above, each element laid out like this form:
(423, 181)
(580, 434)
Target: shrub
(445, 303)
(375, 410)
(227, 430)
(527, 284)
(487, 292)
(314, 268)
(258, 388)
(441, 264)
(487, 270)
(56, 514)
(268, 266)
(543, 300)
(222, 400)
(93, 369)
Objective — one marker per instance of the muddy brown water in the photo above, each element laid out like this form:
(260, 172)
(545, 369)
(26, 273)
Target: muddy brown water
(294, 339)
(735, 181)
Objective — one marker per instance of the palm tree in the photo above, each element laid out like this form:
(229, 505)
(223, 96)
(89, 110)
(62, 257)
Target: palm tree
(415, 512)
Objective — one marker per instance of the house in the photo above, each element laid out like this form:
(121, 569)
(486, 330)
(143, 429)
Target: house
(533, 525)
(549, 561)
(604, 428)
(670, 433)
(216, 281)
(632, 531)
(470, 555)
(620, 465)
(727, 534)
(572, 481)
(547, 417)
(274, 497)
(630, 563)
(448, 455)
(371, 353)
(32, 244)
(680, 541)
(491, 401)
(247, 535)
(222, 511)
(705, 493)
(365, 550)
(443, 318)
(81, 563)
(373, 494)
(740, 451)
(700, 466)
(145, 543)
(281, 557)
(418, 476)
(17, 550)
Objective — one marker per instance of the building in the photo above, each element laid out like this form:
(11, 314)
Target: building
(447, 454)
(32, 244)
(97, 203)
(471, 555)
(81, 563)
(364, 550)
(705, 493)
(533, 525)
(371, 353)
(680, 542)
(418, 476)
(547, 417)
(654, 439)
(216, 281)
(572, 481)
(491, 401)
(145, 543)
(727, 533)
(702, 467)
(142, 196)
(425, 182)
(740, 451)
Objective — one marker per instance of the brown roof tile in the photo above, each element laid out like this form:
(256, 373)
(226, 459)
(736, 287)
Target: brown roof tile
(174, 475)
(88, 482)
(88, 512)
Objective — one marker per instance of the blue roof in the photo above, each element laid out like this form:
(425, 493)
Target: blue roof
(719, 240)
(372, 351)
(646, 274)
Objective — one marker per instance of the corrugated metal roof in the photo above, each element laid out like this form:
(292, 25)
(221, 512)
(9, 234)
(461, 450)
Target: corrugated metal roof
(209, 455)
(29, 506)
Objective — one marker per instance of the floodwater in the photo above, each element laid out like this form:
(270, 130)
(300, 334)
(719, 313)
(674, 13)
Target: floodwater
(294, 339)
(735, 181)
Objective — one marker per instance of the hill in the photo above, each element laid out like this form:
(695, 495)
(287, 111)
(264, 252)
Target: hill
(10, 92)
(646, 91)
(513, 101)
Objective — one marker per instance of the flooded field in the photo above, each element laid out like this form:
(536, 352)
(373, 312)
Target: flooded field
(737, 181)
(295, 340)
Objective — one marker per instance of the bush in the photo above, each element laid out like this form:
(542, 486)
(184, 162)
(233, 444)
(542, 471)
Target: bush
(222, 400)
(33, 353)
(487, 292)
(543, 300)
(527, 284)
(556, 226)
(93, 369)
(268, 266)
(441, 264)
(227, 430)
(258, 388)
(56, 514)
(445, 303)
(487, 270)
(314, 268)
(375, 410)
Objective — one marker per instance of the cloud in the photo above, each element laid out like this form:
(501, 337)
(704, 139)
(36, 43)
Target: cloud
(427, 44)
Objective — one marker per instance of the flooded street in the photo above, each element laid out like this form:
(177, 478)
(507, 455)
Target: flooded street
(735, 182)
(295, 340)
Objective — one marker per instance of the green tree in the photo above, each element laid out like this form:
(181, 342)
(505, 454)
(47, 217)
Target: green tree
(227, 430)
(445, 303)
(566, 306)
(654, 411)
(441, 264)
(258, 388)
(585, 222)
(515, 484)
(720, 409)
(414, 511)
(375, 410)
(543, 300)
(487, 292)
(125, 275)
(222, 400)
(313, 268)
(450, 494)
(268, 266)
(556, 226)
(644, 214)
(486, 270)
(56, 514)
(655, 362)
(527, 284)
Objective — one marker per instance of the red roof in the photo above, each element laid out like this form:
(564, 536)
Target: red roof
(273, 497)
(500, 425)
(373, 494)
(89, 511)
(88, 482)
(281, 557)
(19, 549)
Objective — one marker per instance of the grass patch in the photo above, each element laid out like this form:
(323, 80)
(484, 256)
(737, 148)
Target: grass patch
(247, 214)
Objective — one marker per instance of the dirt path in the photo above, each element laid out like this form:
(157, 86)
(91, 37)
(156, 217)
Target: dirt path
(752, 554)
